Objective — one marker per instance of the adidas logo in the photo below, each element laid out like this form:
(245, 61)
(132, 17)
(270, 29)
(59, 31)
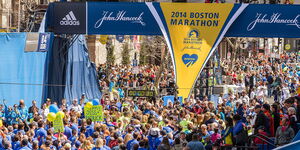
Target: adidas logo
(70, 20)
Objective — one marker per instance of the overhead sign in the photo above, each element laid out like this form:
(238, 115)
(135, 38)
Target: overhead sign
(44, 43)
(103, 39)
(140, 93)
(69, 18)
(122, 18)
(265, 20)
(287, 46)
(120, 38)
(8, 29)
(244, 45)
(192, 32)
(32, 40)
(134, 62)
(38, 42)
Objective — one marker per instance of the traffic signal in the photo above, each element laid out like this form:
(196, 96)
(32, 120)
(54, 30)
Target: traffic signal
(279, 41)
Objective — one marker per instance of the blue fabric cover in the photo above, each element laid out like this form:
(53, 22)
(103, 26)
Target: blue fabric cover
(81, 76)
(56, 71)
(65, 72)
(22, 72)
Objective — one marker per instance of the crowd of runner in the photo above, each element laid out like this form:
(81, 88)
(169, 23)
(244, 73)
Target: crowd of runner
(146, 124)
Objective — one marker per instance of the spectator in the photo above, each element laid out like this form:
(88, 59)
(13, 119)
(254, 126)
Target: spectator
(293, 119)
(276, 116)
(24, 145)
(195, 144)
(262, 135)
(177, 145)
(238, 130)
(132, 142)
(267, 111)
(215, 136)
(75, 106)
(33, 109)
(22, 111)
(284, 133)
(227, 136)
(164, 145)
(260, 119)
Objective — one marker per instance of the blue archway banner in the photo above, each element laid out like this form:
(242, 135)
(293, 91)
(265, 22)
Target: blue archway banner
(267, 21)
(122, 18)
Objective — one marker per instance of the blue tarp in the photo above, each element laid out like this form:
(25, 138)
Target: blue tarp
(81, 76)
(22, 72)
(62, 72)
(70, 72)
(56, 71)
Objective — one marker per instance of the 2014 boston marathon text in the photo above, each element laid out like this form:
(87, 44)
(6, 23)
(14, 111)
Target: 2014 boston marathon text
(195, 19)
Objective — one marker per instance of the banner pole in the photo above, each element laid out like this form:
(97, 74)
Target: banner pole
(19, 16)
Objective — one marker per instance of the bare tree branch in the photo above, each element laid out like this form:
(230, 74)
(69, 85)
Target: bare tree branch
(230, 43)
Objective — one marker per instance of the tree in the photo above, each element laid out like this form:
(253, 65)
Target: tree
(110, 57)
(125, 54)
(154, 48)
(143, 53)
(163, 64)
(151, 50)
(235, 45)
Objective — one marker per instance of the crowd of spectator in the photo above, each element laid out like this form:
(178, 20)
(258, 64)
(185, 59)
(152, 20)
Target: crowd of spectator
(265, 104)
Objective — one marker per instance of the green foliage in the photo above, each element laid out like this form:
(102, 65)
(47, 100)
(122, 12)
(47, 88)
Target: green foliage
(143, 54)
(125, 54)
(110, 56)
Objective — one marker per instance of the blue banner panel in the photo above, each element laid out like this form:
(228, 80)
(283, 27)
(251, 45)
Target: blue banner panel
(267, 21)
(69, 18)
(121, 19)
(45, 41)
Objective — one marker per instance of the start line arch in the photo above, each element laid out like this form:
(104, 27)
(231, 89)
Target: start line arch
(192, 30)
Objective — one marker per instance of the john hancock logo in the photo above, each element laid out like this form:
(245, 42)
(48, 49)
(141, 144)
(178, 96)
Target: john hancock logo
(120, 16)
(193, 40)
(189, 60)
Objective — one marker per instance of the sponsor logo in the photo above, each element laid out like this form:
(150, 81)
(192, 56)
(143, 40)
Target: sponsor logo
(119, 16)
(194, 34)
(193, 40)
(275, 18)
(69, 20)
(189, 60)
(43, 43)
